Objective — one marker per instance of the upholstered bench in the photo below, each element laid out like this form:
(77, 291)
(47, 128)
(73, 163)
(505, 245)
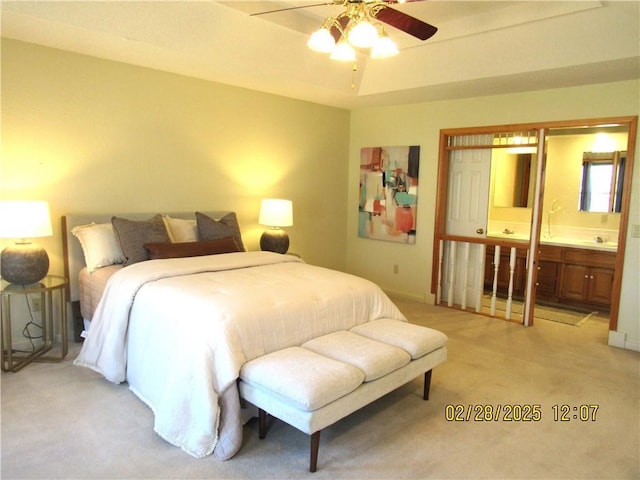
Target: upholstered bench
(322, 381)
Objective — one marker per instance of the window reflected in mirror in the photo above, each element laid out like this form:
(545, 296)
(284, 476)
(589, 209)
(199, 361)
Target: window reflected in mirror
(601, 184)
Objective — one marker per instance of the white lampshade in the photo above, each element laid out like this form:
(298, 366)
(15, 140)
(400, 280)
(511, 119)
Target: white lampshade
(24, 219)
(24, 262)
(276, 213)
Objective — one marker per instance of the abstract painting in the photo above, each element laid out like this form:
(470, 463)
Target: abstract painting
(388, 193)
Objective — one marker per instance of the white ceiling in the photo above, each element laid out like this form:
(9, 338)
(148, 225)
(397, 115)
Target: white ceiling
(481, 48)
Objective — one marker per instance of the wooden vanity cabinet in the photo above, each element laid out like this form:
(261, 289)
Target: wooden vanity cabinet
(566, 275)
(587, 277)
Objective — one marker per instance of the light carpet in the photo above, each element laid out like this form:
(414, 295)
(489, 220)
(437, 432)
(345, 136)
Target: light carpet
(65, 422)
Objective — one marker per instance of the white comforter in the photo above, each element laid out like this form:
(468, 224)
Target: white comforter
(179, 331)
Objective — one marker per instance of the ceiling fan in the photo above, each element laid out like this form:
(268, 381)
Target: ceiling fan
(359, 26)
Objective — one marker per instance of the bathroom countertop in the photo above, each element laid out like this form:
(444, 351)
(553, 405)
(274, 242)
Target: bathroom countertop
(561, 242)
(587, 244)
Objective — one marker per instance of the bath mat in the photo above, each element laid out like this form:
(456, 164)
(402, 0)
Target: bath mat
(544, 312)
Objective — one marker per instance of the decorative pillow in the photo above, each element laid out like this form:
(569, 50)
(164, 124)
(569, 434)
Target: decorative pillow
(180, 229)
(132, 236)
(99, 244)
(191, 249)
(227, 226)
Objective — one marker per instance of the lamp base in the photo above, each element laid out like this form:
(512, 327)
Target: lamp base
(24, 263)
(274, 240)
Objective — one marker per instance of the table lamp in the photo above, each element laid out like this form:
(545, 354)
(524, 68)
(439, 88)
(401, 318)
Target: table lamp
(275, 213)
(24, 262)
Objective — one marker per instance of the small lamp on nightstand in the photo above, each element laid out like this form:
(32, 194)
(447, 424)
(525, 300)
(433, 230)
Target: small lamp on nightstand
(275, 213)
(24, 262)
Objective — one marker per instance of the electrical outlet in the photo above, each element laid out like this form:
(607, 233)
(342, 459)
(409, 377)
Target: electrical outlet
(36, 305)
(396, 268)
(635, 231)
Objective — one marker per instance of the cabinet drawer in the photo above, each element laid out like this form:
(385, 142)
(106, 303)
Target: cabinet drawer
(590, 257)
(548, 252)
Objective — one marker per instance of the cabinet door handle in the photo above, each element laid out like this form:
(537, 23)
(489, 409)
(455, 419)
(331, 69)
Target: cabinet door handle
(591, 277)
(586, 276)
(480, 231)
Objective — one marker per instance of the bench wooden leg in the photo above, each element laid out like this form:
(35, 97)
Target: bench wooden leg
(315, 445)
(315, 439)
(262, 423)
(427, 385)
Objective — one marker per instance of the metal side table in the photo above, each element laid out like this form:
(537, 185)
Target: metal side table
(32, 316)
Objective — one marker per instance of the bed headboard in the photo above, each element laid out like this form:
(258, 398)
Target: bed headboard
(72, 251)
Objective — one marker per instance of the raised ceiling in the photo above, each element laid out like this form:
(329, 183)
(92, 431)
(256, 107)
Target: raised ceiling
(481, 48)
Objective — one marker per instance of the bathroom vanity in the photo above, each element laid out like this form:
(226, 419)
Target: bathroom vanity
(580, 276)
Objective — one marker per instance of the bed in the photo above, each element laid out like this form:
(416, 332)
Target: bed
(178, 329)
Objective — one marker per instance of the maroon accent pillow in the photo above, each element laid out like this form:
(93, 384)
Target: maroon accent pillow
(191, 249)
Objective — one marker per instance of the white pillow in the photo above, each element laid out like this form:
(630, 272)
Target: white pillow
(180, 229)
(99, 244)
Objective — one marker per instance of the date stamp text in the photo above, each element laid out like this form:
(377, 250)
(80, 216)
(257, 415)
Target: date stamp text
(519, 412)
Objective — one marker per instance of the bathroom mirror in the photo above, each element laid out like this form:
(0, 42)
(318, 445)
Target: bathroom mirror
(601, 183)
(511, 178)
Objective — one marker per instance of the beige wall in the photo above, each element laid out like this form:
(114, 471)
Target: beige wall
(420, 124)
(91, 135)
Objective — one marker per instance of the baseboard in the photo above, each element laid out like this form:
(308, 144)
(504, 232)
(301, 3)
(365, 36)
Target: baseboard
(405, 296)
(429, 298)
(619, 340)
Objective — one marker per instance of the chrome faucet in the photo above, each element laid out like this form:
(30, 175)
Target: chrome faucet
(555, 208)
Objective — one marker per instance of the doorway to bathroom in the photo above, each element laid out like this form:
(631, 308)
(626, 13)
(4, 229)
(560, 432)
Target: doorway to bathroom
(525, 218)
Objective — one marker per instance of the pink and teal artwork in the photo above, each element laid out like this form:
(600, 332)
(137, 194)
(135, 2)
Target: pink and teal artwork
(388, 193)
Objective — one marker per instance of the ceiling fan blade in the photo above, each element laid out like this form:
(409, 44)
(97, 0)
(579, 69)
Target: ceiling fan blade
(335, 32)
(403, 1)
(298, 7)
(406, 23)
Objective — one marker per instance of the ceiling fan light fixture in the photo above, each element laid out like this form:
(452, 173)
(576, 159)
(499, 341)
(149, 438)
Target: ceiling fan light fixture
(363, 34)
(343, 52)
(322, 41)
(384, 47)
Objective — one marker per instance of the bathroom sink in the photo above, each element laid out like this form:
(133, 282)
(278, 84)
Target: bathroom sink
(593, 243)
(572, 242)
(509, 236)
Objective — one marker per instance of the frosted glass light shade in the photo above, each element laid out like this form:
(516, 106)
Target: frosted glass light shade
(276, 213)
(384, 47)
(363, 34)
(343, 52)
(322, 41)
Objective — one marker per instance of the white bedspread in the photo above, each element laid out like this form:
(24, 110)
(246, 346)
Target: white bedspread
(179, 330)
